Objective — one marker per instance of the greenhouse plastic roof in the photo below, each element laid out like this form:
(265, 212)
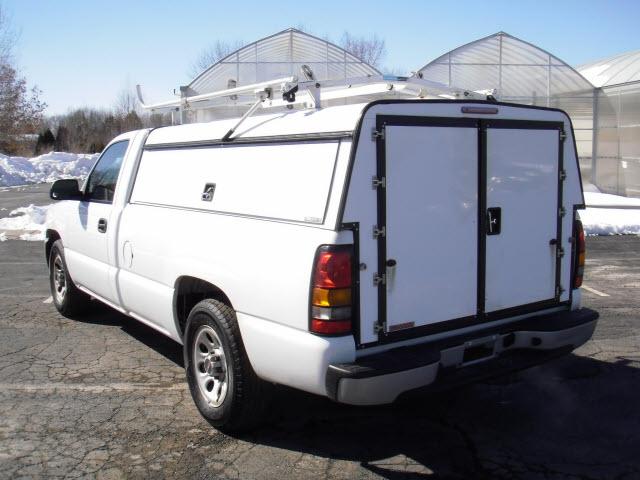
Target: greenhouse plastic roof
(281, 55)
(615, 70)
(515, 68)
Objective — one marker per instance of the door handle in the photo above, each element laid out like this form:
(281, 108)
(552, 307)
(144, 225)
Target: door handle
(494, 220)
(102, 225)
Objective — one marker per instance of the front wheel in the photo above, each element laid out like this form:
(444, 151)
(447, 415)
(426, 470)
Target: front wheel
(68, 300)
(223, 385)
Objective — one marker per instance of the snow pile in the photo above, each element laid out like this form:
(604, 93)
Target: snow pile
(45, 168)
(610, 214)
(605, 200)
(611, 221)
(24, 223)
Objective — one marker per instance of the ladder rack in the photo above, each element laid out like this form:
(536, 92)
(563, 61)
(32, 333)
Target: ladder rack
(288, 92)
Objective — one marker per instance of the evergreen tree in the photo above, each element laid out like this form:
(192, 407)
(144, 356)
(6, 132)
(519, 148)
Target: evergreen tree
(46, 141)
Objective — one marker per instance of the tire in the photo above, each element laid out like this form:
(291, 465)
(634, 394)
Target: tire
(224, 387)
(68, 300)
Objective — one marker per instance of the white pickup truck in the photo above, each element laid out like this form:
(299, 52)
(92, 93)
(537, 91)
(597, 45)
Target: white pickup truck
(355, 252)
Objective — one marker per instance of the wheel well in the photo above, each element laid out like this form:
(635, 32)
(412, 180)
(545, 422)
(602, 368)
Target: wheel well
(190, 291)
(51, 236)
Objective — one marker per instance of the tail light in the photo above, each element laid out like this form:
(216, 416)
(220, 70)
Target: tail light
(331, 290)
(580, 246)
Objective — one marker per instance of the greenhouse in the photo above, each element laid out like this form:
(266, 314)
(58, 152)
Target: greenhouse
(602, 97)
(279, 55)
(616, 120)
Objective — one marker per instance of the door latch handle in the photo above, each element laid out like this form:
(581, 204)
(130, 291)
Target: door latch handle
(494, 220)
(102, 225)
(209, 190)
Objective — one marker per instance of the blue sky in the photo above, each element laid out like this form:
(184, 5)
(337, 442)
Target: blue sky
(82, 52)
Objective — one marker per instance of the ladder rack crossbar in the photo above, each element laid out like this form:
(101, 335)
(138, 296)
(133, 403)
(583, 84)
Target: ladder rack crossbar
(309, 93)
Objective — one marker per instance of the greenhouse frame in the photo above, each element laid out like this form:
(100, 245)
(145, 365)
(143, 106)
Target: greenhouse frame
(602, 99)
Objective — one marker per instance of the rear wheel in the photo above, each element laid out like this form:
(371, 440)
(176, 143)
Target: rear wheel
(223, 385)
(68, 300)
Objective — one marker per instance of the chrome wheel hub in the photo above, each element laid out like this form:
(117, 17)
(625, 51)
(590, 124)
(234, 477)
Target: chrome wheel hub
(210, 365)
(59, 279)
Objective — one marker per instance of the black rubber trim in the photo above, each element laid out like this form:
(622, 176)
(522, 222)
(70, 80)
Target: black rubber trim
(481, 258)
(415, 356)
(481, 316)
(355, 276)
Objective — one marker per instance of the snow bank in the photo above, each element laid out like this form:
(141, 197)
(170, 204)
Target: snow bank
(24, 223)
(610, 221)
(45, 168)
(597, 199)
(610, 214)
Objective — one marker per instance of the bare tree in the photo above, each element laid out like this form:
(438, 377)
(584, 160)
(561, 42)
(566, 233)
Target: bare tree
(213, 53)
(8, 38)
(20, 109)
(370, 50)
(126, 102)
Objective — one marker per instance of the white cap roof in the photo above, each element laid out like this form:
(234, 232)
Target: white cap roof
(327, 120)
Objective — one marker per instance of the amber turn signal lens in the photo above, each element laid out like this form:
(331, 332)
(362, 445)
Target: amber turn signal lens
(323, 297)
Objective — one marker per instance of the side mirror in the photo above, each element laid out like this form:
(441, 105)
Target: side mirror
(65, 190)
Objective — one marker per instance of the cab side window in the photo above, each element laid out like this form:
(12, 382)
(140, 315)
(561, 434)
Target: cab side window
(102, 181)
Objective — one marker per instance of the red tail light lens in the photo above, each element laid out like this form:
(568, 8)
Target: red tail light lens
(331, 290)
(333, 268)
(325, 327)
(581, 248)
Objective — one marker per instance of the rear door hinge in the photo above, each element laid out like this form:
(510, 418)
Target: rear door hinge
(562, 211)
(559, 290)
(563, 136)
(559, 252)
(379, 327)
(563, 175)
(378, 182)
(377, 134)
(379, 279)
(379, 232)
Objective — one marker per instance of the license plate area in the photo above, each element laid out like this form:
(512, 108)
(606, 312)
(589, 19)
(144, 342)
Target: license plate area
(478, 350)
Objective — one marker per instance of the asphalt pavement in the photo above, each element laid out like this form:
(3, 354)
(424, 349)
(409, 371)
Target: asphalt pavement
(106, 397)
(22, 196)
